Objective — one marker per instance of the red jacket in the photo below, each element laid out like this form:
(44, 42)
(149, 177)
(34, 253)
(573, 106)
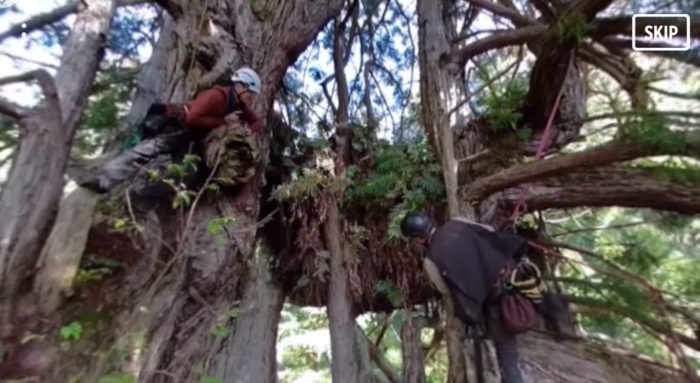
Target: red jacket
(207, 110)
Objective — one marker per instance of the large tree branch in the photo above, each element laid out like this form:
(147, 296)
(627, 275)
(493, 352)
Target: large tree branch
(46, 84)
(691, 56)
(513, 15)
(494, 41)
(610, 186)
(43, 19)
(606, 154)
(12, 110)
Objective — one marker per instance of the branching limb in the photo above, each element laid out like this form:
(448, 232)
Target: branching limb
(610, 186)
(496, 40)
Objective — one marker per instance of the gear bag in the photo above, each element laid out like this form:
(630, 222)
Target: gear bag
(520, 288)
(234, 150)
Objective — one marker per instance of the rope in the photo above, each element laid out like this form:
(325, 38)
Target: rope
(200, 24)
(542, 147)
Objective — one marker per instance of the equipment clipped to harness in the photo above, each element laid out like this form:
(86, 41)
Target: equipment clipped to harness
(521, 287)
(526, 278)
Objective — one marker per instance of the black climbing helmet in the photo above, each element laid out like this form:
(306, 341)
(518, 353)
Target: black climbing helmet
(416, 225)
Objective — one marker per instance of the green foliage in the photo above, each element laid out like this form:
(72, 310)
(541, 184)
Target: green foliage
(183, 198)
(502, 105)
(209, 379)
(71, 331)
(220, 331)
(95, 268)
(686, 174)
(405, 174)
(572, 28)
(650, 130)
(123, 378)
(388, 289)
(653, 246)
(216, 226)
(308, 185)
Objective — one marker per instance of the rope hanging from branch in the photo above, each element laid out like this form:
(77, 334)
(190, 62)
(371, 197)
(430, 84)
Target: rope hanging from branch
(542, 146)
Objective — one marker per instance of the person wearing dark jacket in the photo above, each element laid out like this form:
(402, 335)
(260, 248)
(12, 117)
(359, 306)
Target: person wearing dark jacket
(167, 126)
(464, 259)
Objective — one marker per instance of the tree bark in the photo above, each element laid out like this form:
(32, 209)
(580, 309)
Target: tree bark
(26, 216)
(350, 361)
(610, 186)
(167, 308)
(64, 247)
(412, 350)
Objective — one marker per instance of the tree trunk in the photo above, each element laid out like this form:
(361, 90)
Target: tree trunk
(35, 185)
(412, 350)
(62, 253)
(350, 355)
(442, 87)
(166, 310)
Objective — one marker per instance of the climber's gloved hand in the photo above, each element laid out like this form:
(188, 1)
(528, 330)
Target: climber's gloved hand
(163, 119)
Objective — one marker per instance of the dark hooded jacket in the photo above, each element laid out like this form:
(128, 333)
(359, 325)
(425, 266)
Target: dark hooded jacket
(470, 259)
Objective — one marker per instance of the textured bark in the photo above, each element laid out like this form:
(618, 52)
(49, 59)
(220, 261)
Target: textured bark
(27, 216)
(602, 155)
(59, 260)
(268, 37)
(442, 84)
(442, 89)
(66, 242)
(172, 300)
(349, 353)
(609, 186)
(412, 350)
(546, 361)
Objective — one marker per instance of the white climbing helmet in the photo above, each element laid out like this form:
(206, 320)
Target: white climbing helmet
(249, 78)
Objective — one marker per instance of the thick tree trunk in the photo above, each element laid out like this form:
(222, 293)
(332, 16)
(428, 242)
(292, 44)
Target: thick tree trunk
(35, 186)
(233, 279)
(166, 311)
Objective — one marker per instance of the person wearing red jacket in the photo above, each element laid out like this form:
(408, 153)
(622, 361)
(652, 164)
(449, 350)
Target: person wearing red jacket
(165, 126)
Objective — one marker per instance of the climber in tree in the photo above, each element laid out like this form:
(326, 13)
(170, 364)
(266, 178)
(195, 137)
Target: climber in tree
(464, 261)
(167, 126)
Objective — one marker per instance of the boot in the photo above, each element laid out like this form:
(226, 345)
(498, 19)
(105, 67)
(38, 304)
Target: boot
(127, 164)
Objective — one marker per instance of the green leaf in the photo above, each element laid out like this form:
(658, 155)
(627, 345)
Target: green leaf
(220, 241)
(71, 331)
(524, 134)
(209, 379)
(388, 289)
(119, 223)
(303, 281)
(220, 331)
(225, 181)
(153, 175)
(235, 311)
(192, 160)
(124, 378)
(214, 187)
(216, 225)
(176, 170)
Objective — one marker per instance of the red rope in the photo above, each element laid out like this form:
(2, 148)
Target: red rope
(541, 148)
